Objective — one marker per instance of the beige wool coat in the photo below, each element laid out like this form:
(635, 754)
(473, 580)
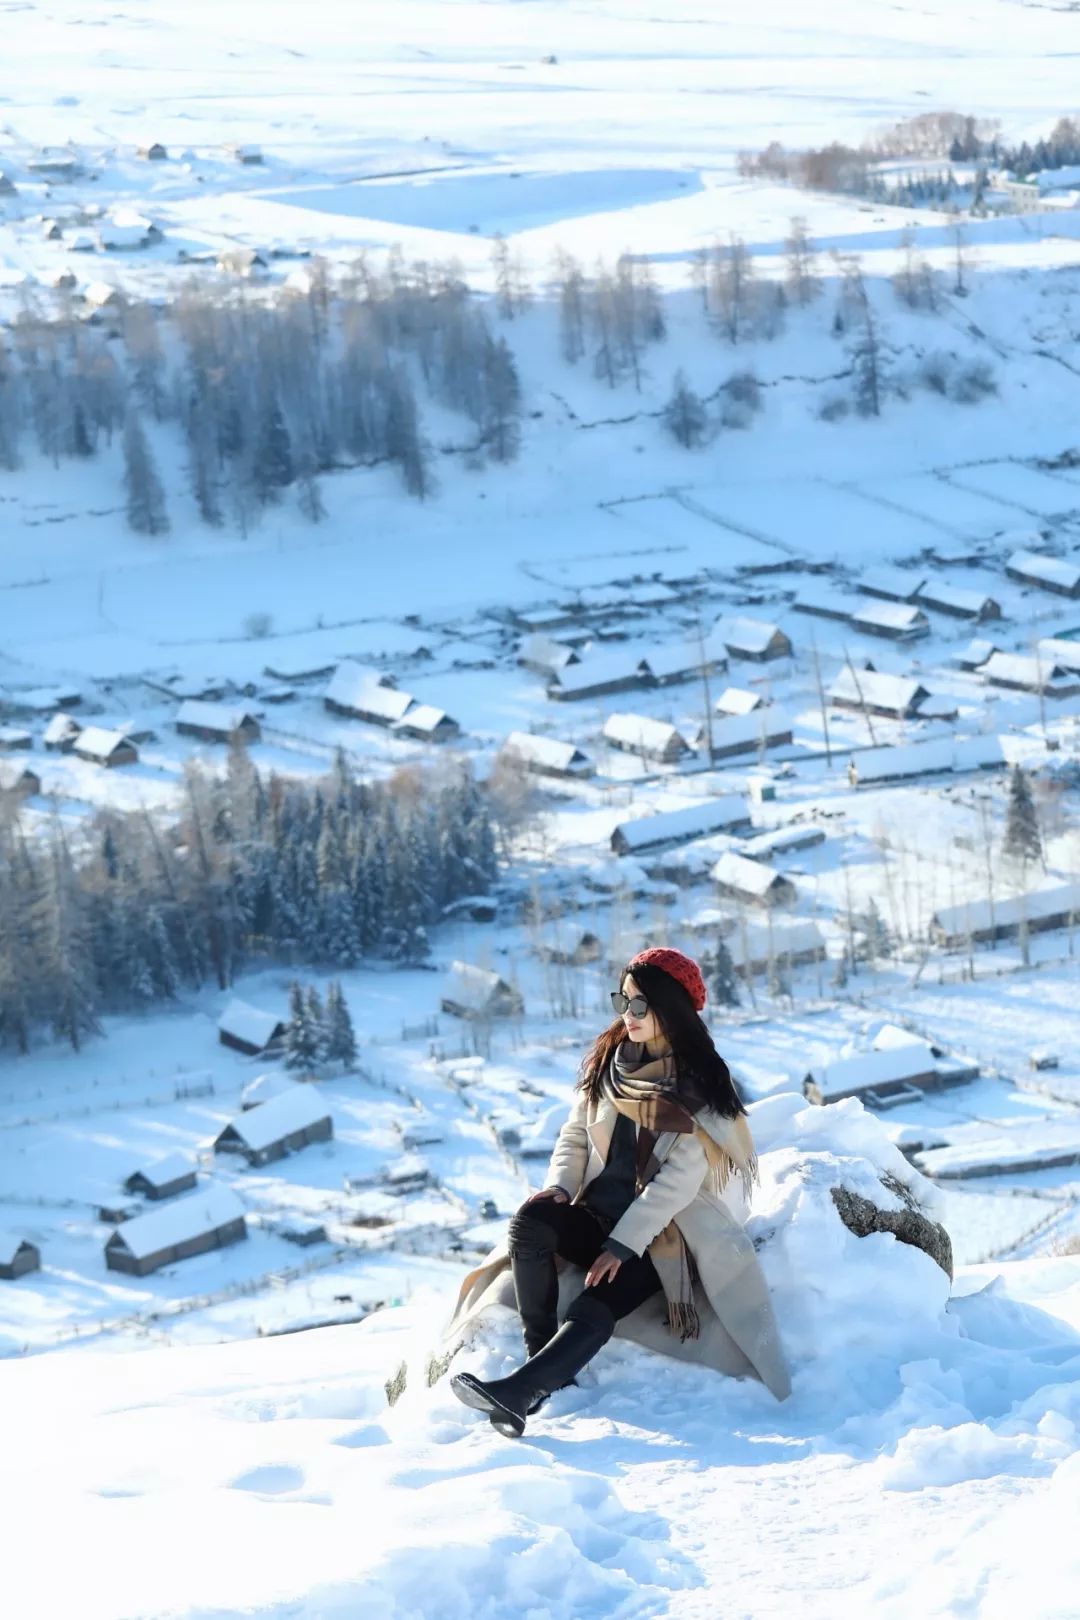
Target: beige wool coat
(738, 1328)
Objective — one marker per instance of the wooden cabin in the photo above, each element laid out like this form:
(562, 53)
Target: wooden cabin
(281, 1125)
(248, 1029)
(209, 1219)
(478, 994)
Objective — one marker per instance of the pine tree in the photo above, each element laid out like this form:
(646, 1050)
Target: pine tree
(272, 469)
(1022, 841)
(725, 980)
(316, 1018)
(872, 937)
(301, 1037)
(145, 498)
(340, 1037)
(685, 416)
(502, 428)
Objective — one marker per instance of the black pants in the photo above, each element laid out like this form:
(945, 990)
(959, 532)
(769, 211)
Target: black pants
(543, 1229)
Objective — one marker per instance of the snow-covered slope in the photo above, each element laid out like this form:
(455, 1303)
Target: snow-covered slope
(926, 1462)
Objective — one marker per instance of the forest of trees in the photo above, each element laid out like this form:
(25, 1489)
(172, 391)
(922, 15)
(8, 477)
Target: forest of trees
(328, 874)
(265, 391)
(952, 137)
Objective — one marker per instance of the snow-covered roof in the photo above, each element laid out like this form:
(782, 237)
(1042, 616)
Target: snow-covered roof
(1021, 1145)
(738, 700)
(547, 751)
(890, 1036)
(976, 916)
(10, 1244)
(38, 699)
(1032, 672)
(1057, 179)
(745, 635)
(1053, 570)
(745, 732)
(472, 986)
(545, 651)
(60, 728)
(1054, 650)
(599, 669)
(292, 1110)
(864, 1070)
(424, 717)
(937, 594)
(757, 942)
(248, 1023)
(265, 1086)
(826, 599)
(641, 731)
(13, 774)
(202, 1211)
(170, 1168)
(900, 584)
(222, 717)
(877, 689)
(767, 844)
(99, 293)
(693, 821)
(923, 758)
(685, 657)
(100, 743)
(351, 684)
(748, 877)
(975, 653)
(113, 235)
(889, 615)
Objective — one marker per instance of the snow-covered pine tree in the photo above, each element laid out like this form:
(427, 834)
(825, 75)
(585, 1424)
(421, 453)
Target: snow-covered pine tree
(340, 1036)
(725, 980)
(301, 1037)
(1022, 841)
(272, 467)
(685, 416)
(316, 1017)
(502, 426)
(872, 937)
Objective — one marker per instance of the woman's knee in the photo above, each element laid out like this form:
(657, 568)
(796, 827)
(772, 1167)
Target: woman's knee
(529, 1232)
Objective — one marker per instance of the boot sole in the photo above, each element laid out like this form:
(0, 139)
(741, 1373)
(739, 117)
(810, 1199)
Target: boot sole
(471, 1392)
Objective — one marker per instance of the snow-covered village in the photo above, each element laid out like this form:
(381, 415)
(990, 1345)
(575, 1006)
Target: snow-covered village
(539, 810)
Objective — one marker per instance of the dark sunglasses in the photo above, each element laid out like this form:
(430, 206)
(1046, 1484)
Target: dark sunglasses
(635, 1004)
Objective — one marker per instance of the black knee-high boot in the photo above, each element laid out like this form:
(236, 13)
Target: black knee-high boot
(536, 1281)
(509, 1401)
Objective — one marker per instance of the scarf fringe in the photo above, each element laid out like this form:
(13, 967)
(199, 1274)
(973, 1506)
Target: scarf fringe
(683, 1319)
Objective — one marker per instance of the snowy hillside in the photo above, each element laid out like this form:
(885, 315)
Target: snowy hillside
(462, 520)
(945, 1428)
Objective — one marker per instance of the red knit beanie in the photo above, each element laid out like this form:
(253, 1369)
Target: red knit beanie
(680, 967)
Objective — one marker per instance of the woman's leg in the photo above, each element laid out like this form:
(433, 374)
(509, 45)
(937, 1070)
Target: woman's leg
(538, 1232)
(590, 1322)
(635, 1281)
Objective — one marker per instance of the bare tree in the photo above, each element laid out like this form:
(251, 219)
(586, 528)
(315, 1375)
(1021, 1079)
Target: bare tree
(146, 512)
(803, 282)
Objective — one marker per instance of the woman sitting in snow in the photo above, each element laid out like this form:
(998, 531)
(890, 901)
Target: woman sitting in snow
(633, 1198)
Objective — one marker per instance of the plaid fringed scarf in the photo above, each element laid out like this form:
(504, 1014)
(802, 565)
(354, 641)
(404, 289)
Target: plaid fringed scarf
(646, 1090)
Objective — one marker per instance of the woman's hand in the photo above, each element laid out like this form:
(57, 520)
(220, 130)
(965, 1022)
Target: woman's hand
(603, 1267)
(557, 1193)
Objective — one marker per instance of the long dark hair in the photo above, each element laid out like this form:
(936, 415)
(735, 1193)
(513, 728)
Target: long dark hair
(704, 1079)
